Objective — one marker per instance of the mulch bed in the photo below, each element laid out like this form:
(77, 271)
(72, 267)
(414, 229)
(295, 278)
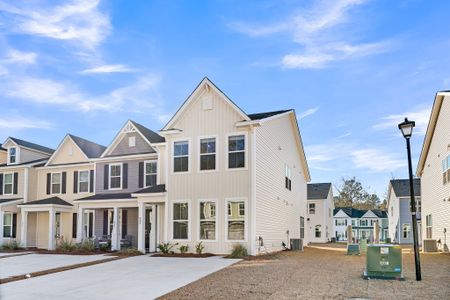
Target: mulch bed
(192, 255)
(73, 252)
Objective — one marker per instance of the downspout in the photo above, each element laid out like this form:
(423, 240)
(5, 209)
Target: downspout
(25, 185)
(253, 191)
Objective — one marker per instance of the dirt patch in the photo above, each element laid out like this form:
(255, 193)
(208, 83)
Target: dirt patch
(192, 255)
(319, 274)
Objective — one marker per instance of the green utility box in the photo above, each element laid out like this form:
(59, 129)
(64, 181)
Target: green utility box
(383, 261)
(363, 245)
(353, 249)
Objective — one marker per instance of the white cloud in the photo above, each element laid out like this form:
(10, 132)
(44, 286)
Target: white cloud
(307, 112)
(108, 69)
(20, 123)
(79, 21)
(16, 56)
(376, 160)
(421, 117)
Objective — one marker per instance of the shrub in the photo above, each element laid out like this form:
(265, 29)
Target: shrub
(105, 247)
(131, 252)
(166, 247)
(11, 245)
(65, 245)
(238, 251)
(86, 246)
(184, 249)
(199, 248)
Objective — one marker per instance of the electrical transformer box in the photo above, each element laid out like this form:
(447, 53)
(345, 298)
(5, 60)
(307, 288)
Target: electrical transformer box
(384, 262)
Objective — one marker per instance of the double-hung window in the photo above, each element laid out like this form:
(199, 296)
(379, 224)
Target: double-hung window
(83, 181)
(236, 151)
(12, 153)
(406, 229)
(181, 220)
(236, 220)
(340, 222)
(58, 225)
(207, 220)
(151, 170)
(207, 154)
(318, 232)
(418, 205)
(8, 225)
(56, 183)
(312, 208)
(363, 223)
(8, 183)
(287, 177)
(429, 227)
(181, 156)
(446, 169)
(115, 176)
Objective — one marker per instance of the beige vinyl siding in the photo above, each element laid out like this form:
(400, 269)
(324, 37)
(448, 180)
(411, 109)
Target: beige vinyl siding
(219, 185)
(3, 157)
(433, 190)
(68, 152)
(29, 155)
(42, 230)
(278, 209)
(32, 229)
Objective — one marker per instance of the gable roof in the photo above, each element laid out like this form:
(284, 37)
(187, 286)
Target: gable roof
(31, 145)
(318, 190)
(401, 187)
(263, 115)
(437, 104)
(380, 213)
(358, 213)
(2, 149)
(40, 160)
(160, 188)
(90, 149)
(48, 201)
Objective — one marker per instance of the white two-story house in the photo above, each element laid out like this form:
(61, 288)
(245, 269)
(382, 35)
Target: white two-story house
(320, 212)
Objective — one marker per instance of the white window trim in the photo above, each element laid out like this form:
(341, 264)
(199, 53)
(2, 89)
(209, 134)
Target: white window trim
(110, 213)
(245, 219)
(89, 181)
(60, 183)
(17, 156)
(145, 171)
(60, 225)
(188, 201)
(109, 176)
(86, 221)
(200, 154)
(188, 140)
(11, 226)
(215, 201)
(315, 206)
(12, 183)
(245, 134)
(408, 232)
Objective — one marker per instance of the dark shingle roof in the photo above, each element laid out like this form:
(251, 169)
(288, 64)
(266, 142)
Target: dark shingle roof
(358, 213)
(401, 187)
(91, 149)
(52, 200)
(9, 200)
(160, 188)
(318, 190)
(150, 135)
(107, 196)
(32, 145)
(259, 116)
(2, 149)
(380, 213)
(43, 160)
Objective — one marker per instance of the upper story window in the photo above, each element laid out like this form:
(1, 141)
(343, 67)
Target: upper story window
(312, 208)
(446, 169)
(287, 177)
(341, 222)
(83, 181)
(418, 205)
(151, 170)
(236, 151)
(56, 183)
(353, 222)
(12, 155)
(8, 183)
(208, 154)
(115, 176)
(363, 223)
(181, 156)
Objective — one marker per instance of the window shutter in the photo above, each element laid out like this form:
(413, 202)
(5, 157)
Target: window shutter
(91, 225)
(63, 181)
(14, 225)
(75, 182)
(1, 186)
(124, 222)
(105, 176)
(74, 225)
(16, 180)
(48, 183)
(125, 176)
(141, 174)
(91, 181)
(105, 222)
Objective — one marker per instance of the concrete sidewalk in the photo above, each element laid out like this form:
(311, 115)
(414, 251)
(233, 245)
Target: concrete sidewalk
(140, 277)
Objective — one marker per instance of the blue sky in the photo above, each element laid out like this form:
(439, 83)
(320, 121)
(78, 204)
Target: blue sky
(352, 69)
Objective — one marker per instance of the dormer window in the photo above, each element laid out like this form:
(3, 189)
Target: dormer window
(12, 154)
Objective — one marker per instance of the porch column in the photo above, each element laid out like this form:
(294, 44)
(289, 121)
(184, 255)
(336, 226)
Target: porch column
(51, 229)
(80, 219)
(141, 227)
(23, 227)
(1, 226)
(115, 241)
(152, 245)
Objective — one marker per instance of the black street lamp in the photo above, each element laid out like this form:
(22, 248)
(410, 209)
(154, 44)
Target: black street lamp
(407, 127)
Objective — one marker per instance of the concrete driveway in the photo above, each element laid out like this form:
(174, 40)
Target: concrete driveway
(140, 277)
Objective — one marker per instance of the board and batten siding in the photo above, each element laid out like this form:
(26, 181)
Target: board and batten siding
(222, 184)
(278, 210)
(123, 147)
(433, 190)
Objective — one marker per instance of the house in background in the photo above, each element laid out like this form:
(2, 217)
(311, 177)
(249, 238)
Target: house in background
(320, 212)
(362, 222)
(399, 210)
(434, 171)
(3, 155)
(18, 184)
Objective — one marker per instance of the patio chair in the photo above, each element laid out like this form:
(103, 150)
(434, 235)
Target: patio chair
(126, 242)
(104, 241)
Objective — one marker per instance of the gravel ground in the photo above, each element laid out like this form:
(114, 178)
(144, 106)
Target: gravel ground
(319, 274)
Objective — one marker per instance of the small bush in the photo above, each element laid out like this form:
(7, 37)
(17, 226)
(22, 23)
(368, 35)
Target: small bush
(184, 249)
(11, 245)
(238, 251)
(86, 246)
(105, 247)
(199, 248)
(166, 247)
(131, 251)
(65, 245)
